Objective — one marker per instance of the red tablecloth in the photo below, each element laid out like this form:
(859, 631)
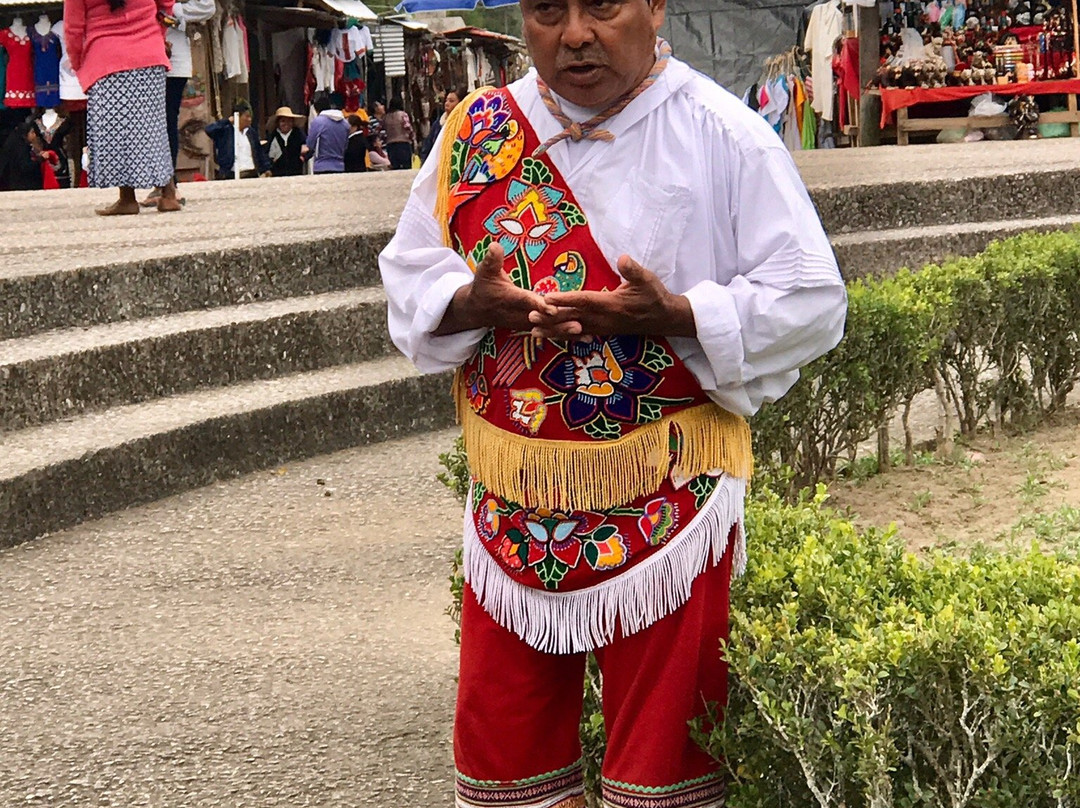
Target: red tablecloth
(893, 98)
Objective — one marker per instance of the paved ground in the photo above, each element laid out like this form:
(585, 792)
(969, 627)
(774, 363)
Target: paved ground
(237, 214)
(253, 643)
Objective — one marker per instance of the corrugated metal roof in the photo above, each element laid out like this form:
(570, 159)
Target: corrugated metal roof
(390, 48)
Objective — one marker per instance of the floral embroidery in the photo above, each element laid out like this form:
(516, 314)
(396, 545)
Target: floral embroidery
(608, 547)
(527, 409)
(488, 146)
(478, 392)
(560, 549)
(604, 380)
(658, 521)
(530, 221)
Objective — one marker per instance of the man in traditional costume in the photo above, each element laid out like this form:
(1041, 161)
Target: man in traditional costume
(622, 263)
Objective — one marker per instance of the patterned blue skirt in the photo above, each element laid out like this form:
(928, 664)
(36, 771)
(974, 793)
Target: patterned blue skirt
(126, 132)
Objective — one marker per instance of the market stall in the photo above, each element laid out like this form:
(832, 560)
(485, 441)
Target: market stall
(1016, 60)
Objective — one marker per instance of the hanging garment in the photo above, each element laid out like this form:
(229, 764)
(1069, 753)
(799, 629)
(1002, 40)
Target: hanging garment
(809, 126)
(3, 75)
(46, 68)
(233, 48)
(19, 92)
(70, 89)
(52, 139)
(792, 134)
(825, 26)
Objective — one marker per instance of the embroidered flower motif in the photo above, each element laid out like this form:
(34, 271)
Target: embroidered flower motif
(657, 521)
(530, 222)
(611, 552)
(490, 520)
(527, 408)
(602, 376)
(510, 553)
(552, 533)
(477, 392)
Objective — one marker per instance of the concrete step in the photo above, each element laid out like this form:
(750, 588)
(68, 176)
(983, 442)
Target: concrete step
(63, 373)
(928, 203)
(882, 252)
(62, 473)
(36, 298)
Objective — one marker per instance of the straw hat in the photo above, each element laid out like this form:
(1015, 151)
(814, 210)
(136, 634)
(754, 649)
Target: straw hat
(284, 112)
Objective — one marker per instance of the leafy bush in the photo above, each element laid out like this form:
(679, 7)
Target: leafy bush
(997, 336)
(863, 676)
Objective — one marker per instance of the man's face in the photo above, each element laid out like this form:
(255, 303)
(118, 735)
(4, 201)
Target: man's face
(245, 120)
(285, 125)
(591, 52)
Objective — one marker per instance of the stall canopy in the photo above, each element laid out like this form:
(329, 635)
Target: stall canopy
(726, 39)
(413, 6)
(351, 8)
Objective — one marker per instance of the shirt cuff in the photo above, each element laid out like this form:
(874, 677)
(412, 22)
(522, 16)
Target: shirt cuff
(450, 349)
(719, 332)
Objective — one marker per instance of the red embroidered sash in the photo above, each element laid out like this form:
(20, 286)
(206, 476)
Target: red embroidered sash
(587, 456)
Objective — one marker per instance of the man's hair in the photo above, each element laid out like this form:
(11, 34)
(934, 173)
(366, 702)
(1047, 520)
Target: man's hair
(396, 104)
(241, 107)
(337, 101)
(356, 120)
(322, 103)
(116, 5)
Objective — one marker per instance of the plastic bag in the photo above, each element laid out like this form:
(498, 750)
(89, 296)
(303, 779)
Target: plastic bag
(986, 105)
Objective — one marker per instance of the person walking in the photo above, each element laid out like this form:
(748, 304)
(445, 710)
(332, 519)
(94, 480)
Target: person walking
(286, 144)
(452, 100)
(328, 137)
(237, 149)
(399, 135)
(357, 149)
(613, 321)
(117, 49)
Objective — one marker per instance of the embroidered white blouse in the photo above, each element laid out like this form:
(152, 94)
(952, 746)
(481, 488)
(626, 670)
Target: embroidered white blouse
(696, 187)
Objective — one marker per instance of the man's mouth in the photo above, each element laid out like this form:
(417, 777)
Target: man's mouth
(582, 71)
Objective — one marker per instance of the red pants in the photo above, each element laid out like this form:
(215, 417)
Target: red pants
(516, 732)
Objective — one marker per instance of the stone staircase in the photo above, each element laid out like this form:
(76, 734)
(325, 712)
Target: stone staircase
(139, 359)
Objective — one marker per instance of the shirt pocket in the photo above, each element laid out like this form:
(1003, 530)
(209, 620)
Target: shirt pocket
(646, 220)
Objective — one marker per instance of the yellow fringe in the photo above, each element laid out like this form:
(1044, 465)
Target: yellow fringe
(575, 475)
(446, 161)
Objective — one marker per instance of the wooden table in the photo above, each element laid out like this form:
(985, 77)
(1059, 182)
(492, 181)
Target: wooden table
(898, 101)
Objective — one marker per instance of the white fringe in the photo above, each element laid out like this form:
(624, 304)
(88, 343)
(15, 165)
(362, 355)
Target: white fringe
(572, 622)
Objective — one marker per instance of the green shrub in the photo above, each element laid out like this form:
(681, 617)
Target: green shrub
(997, 336)
(863, 676)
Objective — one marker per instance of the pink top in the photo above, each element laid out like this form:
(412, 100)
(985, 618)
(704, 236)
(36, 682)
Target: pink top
(100, 41)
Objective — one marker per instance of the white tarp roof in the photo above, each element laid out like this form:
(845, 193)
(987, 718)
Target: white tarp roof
(350, 8)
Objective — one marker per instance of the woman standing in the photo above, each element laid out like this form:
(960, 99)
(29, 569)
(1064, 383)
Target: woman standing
(117, 49)
(452, 100)
(399, 135)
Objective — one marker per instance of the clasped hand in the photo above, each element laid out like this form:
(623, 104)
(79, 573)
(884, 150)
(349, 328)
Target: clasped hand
(641, 304)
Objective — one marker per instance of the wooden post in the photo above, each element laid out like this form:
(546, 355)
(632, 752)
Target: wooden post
(1076, 41)
(869, 30)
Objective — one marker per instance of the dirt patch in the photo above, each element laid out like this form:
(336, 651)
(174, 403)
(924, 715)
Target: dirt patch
(997, 492)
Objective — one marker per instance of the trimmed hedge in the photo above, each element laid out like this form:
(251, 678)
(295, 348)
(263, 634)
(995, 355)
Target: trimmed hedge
(864, 676)
(997, 336)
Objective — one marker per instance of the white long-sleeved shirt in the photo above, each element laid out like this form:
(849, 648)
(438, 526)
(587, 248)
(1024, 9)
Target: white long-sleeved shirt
(695, 187)
(190, 11)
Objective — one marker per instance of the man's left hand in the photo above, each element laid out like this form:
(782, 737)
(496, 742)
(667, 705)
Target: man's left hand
(640, 305)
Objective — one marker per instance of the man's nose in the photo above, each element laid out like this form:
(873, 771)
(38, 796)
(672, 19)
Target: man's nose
(578, 30)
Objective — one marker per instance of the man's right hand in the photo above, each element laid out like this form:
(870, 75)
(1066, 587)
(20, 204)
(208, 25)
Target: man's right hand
(491, 300)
